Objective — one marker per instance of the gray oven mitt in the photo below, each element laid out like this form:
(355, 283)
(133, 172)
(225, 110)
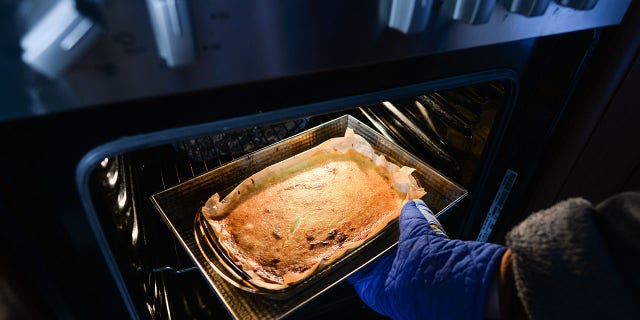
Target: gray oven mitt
(428, 275)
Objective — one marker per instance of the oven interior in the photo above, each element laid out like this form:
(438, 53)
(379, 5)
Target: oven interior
(455, 130)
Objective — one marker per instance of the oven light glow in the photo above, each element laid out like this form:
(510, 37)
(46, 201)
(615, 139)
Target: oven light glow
(112, 177)
(122, 199)
(134, 231)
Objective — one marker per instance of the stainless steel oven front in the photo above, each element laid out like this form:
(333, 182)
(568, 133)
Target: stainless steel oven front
(120, 100)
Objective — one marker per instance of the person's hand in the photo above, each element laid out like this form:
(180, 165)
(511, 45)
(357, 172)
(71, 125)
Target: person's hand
(429, 275)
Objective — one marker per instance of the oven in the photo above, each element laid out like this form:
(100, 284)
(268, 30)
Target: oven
(110, 102)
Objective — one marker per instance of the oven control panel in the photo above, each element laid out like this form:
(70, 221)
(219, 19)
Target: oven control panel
(76, 54)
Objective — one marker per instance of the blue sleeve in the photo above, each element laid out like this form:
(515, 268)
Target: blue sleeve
(429, 275)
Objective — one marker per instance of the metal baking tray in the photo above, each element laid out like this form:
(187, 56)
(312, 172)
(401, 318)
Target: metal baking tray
(179, 207)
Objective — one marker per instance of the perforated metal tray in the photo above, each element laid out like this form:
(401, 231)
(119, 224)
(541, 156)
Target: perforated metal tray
(179, 207)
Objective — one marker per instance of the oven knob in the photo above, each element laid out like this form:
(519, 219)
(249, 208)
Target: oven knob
(471, 11)
(578, 4)
(530, 8)
(172, 28)
(58, 39)
(410, 16)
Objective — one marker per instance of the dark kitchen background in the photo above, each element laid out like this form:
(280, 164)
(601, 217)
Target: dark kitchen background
(107, 102)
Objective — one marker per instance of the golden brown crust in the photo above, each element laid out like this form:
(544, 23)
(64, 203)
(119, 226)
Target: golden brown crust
(282, 225)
